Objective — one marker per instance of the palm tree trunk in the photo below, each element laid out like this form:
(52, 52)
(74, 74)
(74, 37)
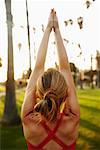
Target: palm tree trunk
(28, 32)
(10, 115)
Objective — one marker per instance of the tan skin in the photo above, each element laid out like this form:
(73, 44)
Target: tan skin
(68, 130)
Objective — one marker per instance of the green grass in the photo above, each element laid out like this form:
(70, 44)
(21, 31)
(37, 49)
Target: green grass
(1, 105)
(12, 138)
(89, 131)
(2, 88)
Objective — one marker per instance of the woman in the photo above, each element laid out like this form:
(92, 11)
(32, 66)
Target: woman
(50, 111)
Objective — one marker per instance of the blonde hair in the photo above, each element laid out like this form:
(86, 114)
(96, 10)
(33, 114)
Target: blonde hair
(52, 90)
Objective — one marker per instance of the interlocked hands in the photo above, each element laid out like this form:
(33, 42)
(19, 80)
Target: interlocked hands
(53, 21)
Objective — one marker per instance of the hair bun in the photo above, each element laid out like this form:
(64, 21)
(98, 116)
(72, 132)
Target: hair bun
(50, 94)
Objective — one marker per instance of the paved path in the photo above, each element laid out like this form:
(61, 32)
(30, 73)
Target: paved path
(18, 90)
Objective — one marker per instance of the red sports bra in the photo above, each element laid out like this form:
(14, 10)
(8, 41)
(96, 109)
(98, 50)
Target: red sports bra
(51, 136)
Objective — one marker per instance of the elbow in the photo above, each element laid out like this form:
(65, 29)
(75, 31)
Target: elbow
(26, 116)
(77, 118)
(77, 113)
(23, 116)
(77, 110)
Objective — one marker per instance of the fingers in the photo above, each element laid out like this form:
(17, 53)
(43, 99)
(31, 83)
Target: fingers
(54, 17)
(53, 21)
(53, 11)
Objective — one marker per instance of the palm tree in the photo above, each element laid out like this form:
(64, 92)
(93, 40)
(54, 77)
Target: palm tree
(19, 46)
(10, 115)
(98, 68)
(0, 62)
(28, 32)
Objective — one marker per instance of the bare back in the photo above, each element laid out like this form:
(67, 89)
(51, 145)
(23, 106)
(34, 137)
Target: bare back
(67, 131)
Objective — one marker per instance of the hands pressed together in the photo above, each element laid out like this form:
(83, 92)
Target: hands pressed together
(53, 21)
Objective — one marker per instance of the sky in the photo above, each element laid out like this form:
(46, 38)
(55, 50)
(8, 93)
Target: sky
(88, 37)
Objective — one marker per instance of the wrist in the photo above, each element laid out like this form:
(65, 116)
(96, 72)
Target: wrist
(57, 30)
(48, 29)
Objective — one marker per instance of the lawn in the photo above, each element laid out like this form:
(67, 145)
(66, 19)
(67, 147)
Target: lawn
(2, 88)
(89, 132)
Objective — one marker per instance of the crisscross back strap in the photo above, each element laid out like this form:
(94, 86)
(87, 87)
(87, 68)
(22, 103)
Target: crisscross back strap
(51, 136)
(51, 133)
(47, 129)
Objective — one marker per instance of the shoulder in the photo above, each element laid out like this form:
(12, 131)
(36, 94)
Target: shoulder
(69, 125)
(68, 114)
(32, 125)
(70, 121)
(32, 118)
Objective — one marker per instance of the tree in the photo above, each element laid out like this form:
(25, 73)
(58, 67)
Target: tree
(0, 62)
(10, 115)
(28, 32)
(98, 68)
(74, 70)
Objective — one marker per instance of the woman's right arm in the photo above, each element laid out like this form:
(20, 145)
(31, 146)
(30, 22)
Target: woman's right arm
(64, 68)
(30, 94)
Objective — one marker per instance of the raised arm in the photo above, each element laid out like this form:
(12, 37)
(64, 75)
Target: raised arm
(40, 60)
(30, 96)
(65, 68)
